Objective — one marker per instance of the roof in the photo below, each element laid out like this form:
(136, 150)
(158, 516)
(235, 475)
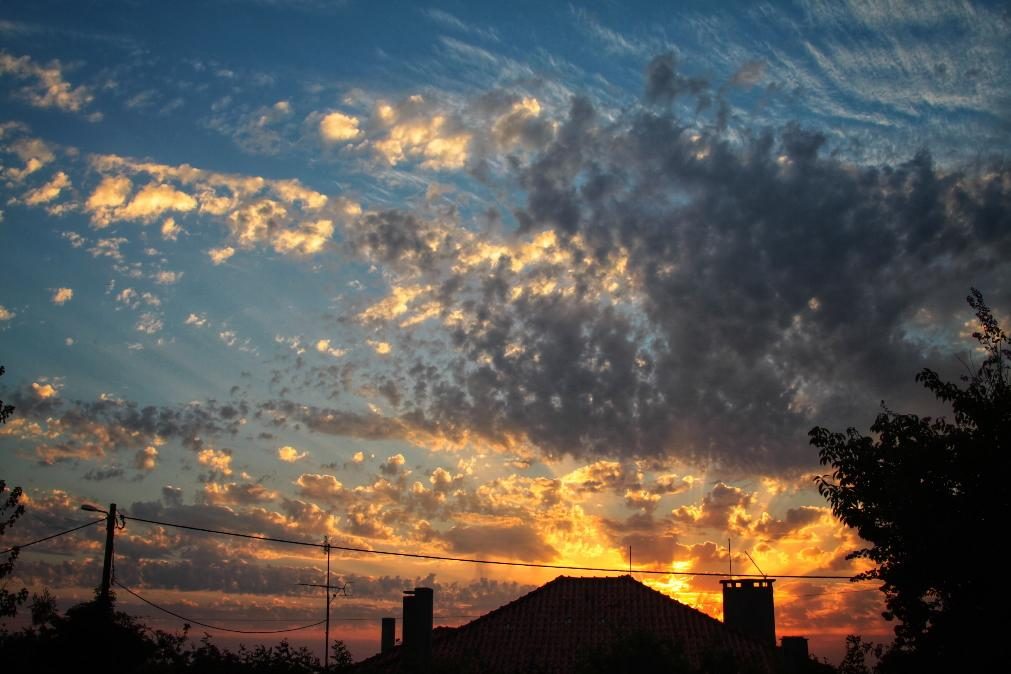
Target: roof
(555, 627)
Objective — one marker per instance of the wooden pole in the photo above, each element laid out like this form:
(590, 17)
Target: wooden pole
(110, 534)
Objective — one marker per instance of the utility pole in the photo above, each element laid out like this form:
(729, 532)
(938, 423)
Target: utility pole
(327, 597)
(110, 534)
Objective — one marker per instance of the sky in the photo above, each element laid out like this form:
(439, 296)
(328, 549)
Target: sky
(520, 281)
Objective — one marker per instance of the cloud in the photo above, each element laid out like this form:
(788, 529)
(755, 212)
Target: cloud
(47, 88)
(656, 300)
(110, 193)
(325, 488)
(220, 255)
(170, 229)
(6, 314)
(596, 477)
(133, 299)
(233, 493)
(62, 430)
(49, 191)
(102, 474)
(289, 454)
(323, 346)
(507, 540)
(146, 459)
(412, 130)
(393, 465)
(749, 74)
(153, 200)
(724, 508)
(172, 496)
(34, 152)
(196, 320)
(795, 520)
(285, 215)
(149, 323)
(165, 278)
(217, 460)
(337, 127)
(62, 295)
(45, 391)
(664, 83)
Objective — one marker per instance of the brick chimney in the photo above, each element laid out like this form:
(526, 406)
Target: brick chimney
(418, 626)
(748, 607)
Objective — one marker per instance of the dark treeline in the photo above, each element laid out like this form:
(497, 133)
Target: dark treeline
(95, 637)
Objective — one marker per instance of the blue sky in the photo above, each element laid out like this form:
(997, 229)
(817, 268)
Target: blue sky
(524, 279)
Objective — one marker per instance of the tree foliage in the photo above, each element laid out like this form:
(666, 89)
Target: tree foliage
(926, 494)
(11, 509)
(5, 410)
(95, 637)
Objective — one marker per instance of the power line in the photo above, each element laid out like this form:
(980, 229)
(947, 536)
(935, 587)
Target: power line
(41, 540)
(562, 567)
(834, 592)
(213, 627)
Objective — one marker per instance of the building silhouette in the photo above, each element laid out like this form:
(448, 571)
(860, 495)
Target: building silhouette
(749, 607)
(561, 625)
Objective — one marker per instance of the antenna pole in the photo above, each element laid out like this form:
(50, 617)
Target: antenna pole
(730, 558)
(764, 575)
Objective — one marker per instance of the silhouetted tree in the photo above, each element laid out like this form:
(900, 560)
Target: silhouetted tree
(927, 494)
(10, 510)
(340, 656)
(95, 637)
(5, 410)
(857, 650)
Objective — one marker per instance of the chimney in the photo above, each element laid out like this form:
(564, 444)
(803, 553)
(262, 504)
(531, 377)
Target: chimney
(389, 635)
(793, 653)
(418, 626)
(748, 607)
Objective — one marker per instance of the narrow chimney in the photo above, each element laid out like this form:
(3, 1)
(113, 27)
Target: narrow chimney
(748, 607)
(389, 635)
(794, 654)
(418, 626)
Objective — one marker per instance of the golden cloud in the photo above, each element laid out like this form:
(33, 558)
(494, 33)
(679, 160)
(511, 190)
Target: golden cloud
(289, 454)
(217, 460)
(62, 295)
(336, 127)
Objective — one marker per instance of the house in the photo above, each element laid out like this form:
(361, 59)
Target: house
(572, 624)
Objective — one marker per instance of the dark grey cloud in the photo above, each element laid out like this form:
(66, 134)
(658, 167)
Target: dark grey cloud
(93, 429)
(795, 519)
(664, 83)
(779, 286)
(329, 420)
(510, 541)
(100, 474)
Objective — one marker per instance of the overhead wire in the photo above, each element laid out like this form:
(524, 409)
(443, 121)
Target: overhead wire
(470, 560)
(51, 536)
(214, 627)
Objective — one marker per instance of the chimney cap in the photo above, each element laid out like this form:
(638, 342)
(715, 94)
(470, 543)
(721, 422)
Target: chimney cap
(747, 582)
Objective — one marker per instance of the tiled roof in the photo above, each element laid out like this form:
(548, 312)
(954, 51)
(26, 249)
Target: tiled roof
(551, 628)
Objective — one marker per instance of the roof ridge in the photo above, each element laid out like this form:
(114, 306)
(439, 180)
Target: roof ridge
(518, 600)
(679, 602)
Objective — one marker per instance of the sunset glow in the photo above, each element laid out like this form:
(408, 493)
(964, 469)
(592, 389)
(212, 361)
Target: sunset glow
(539, 284)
